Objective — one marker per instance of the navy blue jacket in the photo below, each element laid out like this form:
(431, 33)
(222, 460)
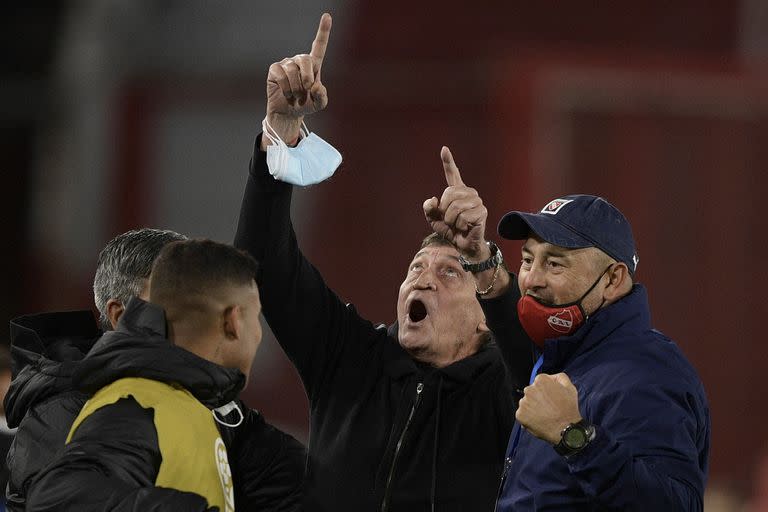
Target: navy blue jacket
(652, 445)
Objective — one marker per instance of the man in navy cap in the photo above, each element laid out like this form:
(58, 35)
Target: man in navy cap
(614, 418)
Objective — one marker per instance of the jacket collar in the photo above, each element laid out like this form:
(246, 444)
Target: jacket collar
(45, 349)
(63, 336)
(143, 318)
(629, 312)
(458, 373)
(467, 370)
(139, 348)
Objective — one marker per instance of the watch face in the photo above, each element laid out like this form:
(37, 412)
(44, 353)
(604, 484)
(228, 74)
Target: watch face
(575, 438)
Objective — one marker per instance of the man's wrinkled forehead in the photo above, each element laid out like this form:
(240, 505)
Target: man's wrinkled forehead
(534, 242)
(442, 252)
(547, 249)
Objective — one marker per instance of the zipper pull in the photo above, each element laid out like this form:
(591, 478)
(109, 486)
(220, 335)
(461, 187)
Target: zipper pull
(507, 463)
(502, 481)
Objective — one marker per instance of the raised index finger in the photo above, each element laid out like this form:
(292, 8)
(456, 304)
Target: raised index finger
(452, 174)
(321, 40)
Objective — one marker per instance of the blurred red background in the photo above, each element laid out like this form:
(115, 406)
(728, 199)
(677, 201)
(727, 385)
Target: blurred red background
(660, 107)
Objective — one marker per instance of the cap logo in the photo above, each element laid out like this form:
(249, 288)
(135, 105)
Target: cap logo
(554, 206)
(635, 261)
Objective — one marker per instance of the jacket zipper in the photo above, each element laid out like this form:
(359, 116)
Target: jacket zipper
(507, 463)
(384, 502)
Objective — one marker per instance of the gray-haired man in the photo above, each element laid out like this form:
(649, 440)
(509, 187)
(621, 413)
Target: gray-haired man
(123, 268)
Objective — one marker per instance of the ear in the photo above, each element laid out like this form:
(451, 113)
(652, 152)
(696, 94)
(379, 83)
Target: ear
(115, 310)
(482, 327)
(620, 282)
(232, 322)
(482, 332)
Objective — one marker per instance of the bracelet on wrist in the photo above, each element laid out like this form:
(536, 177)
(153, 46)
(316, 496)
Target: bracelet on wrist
(493, 282)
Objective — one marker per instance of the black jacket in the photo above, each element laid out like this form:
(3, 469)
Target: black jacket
(386, 433)
(267, 463)
(41, 400)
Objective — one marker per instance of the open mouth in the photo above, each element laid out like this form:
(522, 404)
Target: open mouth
(417, 311)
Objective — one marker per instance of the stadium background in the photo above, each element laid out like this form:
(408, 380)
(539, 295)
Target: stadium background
(118, 114)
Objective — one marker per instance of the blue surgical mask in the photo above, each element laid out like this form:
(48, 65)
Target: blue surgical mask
(312, 160)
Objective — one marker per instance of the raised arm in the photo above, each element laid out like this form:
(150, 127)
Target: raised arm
(460, 216)
(318, 331)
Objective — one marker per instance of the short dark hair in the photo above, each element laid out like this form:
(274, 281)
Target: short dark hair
(187, 270)
(124, 263)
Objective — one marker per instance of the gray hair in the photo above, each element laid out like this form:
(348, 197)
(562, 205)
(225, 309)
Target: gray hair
(124, 264)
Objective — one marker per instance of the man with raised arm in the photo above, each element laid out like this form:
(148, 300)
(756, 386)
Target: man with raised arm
(414, 417)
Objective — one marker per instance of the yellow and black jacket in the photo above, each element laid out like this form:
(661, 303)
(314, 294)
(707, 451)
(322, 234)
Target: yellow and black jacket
(42, 401)
(147, 438)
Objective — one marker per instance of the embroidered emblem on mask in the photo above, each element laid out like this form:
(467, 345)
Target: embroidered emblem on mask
(561, 322)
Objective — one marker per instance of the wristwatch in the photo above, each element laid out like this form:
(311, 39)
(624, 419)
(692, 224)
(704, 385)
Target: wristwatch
(492, 262)
(575, 437)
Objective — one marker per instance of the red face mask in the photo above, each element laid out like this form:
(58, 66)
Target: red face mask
(544, 321)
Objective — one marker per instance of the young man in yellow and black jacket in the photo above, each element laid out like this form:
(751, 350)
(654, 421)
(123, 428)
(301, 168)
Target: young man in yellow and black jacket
(43, 402)
(148, 437)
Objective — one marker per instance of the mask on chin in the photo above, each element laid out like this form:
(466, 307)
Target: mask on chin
(544, 321)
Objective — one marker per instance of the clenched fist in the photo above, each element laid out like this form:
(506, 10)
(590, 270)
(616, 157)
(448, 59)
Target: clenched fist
(548, 406)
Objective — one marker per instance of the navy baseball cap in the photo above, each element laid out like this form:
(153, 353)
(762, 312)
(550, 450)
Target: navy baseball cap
(574, 222)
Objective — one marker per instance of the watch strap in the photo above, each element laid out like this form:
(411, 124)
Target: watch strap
(584, 426)
(492, 262)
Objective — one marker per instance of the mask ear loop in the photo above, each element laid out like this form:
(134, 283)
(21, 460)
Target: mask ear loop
(224, 410)
(275, 138)
(270, 132)
(279, 148)
(578, 303)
